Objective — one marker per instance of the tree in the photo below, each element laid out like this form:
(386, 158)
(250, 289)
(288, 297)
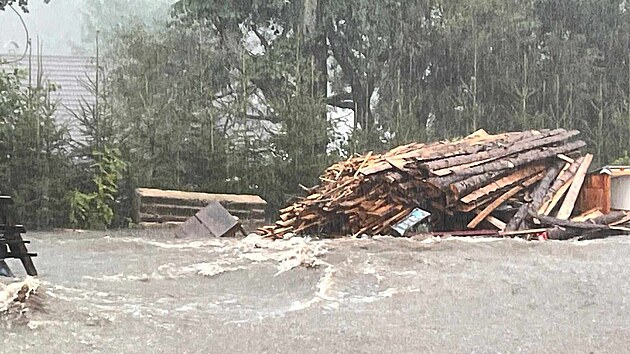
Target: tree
(23, 4)
(34, 163)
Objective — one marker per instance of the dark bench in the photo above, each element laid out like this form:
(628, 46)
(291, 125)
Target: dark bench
(11, 243)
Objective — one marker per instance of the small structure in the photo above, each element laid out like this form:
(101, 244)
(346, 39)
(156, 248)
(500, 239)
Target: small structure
(168, 208)
(606, 189)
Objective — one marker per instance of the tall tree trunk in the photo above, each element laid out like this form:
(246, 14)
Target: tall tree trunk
(315, 41)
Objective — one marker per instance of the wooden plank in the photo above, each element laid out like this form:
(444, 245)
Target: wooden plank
(534, 201)
(550, 204)
(392, 220)
(454, 169)
(503, 182)
(566, 158)
(524, 158)
(569, 201)
(190, 198)
(496, 222)
(622, 221)
(502, 199)
(467, 208)
(375, 168)
(521, 232)
(397, 162)
(587, 215)
(565, 168)
(606, 196)
(560, 184)
(492, 154)
(379, 222)
(365, 160)
(551, 221)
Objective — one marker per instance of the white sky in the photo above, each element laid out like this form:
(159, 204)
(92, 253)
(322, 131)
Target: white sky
(57, 24)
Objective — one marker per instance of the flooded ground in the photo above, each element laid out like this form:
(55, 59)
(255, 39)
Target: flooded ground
(141, 291)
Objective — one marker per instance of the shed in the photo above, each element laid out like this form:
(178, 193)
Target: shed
(606, 189)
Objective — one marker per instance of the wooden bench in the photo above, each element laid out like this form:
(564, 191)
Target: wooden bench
(11, 243)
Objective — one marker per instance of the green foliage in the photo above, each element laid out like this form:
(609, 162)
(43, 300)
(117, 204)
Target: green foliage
(418, 70)
(236, 96)
(95, 209)
(162, 85)
(624, 160)
(34, 162)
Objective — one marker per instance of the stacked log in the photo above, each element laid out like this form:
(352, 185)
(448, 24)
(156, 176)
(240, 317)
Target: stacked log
(156, 208)
(525, 173)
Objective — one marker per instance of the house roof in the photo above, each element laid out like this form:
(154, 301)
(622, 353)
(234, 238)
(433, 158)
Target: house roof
(69, 74)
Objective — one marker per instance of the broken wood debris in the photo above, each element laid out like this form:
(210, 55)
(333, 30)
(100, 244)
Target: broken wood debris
(510, 182)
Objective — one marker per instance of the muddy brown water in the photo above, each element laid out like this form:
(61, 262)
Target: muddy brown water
(145, 292)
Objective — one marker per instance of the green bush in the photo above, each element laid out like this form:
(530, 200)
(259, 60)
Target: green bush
(95, 210)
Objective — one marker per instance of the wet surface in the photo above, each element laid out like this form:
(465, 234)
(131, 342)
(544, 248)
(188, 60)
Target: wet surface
(144, 291)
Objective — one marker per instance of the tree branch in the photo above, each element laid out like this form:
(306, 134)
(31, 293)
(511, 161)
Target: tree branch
(261, 38)
(272, 119)
(341, 100)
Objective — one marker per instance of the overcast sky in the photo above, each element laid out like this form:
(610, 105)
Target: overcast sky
(58, 25)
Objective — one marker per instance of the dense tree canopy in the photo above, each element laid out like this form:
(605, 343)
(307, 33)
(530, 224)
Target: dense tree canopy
(443, 68)
(244, 96)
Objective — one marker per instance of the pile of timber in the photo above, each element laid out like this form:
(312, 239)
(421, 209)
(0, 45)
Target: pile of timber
(159, 208)
(500, 181)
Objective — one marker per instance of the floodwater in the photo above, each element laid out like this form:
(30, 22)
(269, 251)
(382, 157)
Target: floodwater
(144, 291)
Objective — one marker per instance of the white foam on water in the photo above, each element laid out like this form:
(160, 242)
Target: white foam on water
(37, 324)
(432, 239)
(288, 254)
(212, 269)
(387, 293)
(324, 292)
(232, 256)
(172, 245)
(17, 293)
(370, 270)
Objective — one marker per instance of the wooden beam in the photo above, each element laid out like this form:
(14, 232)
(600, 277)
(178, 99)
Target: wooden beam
(548, 220)
(550, 204)
(566, 158)
(363, 163)
(501, 183)
(520, 219)
(624, 220)
(569, 201)
(507, 195)
(496, 222)
(521, 232)
(559, 187)
(587, 215)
